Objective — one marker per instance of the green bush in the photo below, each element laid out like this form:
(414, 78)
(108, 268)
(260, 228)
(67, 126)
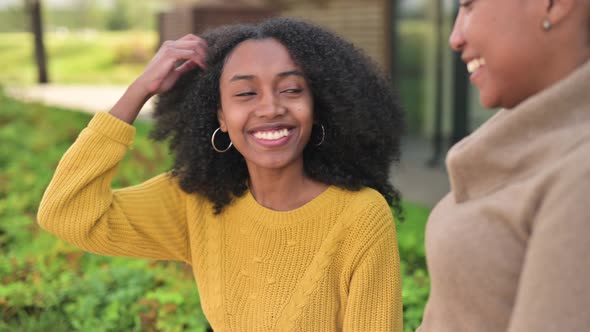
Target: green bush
(415, 281)
(48, 285)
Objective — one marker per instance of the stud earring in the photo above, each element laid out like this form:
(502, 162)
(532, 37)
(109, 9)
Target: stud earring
(547, 24)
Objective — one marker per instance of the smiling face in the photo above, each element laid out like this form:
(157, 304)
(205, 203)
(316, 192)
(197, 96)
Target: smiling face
(505, 48)
(266, 105)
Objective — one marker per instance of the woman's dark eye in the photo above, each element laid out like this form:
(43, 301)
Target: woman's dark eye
(246, 94)
(292, 91)
(466, 4)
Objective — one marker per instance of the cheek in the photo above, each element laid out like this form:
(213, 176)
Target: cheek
(307, 123)
(234, 121)
(508, 65)
(306, 108)
(305, 114)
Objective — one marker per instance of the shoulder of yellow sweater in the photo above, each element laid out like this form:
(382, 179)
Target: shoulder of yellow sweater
(365, 195)
(368, 215)
(370, 221)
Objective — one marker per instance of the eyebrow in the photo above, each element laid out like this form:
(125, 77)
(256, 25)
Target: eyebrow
(241, 77)
(281, 75)
(291, 72)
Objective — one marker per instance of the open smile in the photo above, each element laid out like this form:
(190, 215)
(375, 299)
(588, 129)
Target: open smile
(474, 64)
(273, 136)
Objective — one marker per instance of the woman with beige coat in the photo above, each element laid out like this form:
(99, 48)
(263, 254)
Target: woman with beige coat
(508, 248)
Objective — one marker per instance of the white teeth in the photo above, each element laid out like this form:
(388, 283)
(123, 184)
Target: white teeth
(474, 64)
(271, 135)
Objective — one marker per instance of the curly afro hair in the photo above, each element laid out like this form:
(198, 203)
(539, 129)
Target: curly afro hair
(352, 99)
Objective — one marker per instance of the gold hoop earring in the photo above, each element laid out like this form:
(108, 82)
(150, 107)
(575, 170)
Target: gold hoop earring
(213, 142)
(547, 24)
(323, 136)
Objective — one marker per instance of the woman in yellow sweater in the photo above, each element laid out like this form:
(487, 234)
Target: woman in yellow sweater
(283, 135)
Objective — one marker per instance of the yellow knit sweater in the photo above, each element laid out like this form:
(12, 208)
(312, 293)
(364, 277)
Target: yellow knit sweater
(329, 265)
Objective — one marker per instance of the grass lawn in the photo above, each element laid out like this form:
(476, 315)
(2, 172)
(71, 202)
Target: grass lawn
(78, 57)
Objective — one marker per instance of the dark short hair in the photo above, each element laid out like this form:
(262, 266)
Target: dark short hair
(352, 99)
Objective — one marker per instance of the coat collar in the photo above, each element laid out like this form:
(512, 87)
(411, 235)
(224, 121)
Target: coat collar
(518, 141)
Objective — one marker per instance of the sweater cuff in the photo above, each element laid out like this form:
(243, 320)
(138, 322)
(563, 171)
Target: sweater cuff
(113, 128)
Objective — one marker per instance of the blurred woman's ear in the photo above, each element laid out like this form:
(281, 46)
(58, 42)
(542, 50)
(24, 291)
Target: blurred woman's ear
(221, 119)
(573, 13)
(559, 10)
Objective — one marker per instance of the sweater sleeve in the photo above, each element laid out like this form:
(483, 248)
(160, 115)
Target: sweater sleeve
(79, 206)
(553, 292)
(375, 297)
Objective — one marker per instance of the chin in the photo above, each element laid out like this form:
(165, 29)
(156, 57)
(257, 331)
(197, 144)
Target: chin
(271, 163)
(489, 101)
(496, 100)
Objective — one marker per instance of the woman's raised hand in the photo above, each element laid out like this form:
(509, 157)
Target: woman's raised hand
(163, 71)
(161, 74)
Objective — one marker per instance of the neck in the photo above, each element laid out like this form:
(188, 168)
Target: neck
(283, 189)
(558, 71)
(576, 60)
(565, 63)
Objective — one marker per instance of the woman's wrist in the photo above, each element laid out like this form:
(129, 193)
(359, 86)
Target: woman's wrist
(129, 105)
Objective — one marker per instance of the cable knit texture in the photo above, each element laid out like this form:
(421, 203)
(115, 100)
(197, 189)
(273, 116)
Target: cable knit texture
(329, 265)
(508, 248)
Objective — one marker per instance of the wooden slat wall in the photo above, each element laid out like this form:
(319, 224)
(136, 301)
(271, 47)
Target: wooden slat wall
(366, 23)
(209, 17)
(174, 24)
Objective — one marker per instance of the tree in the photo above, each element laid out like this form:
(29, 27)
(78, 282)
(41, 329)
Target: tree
(119, 16)
(33, 7)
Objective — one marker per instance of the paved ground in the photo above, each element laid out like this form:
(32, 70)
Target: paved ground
(417, 181)
(90, 98)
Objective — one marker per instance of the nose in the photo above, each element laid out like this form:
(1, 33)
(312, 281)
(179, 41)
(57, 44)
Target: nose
(457, 39)
(270, 106)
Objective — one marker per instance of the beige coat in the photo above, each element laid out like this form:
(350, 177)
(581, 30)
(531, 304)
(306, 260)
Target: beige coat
(509, 248)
